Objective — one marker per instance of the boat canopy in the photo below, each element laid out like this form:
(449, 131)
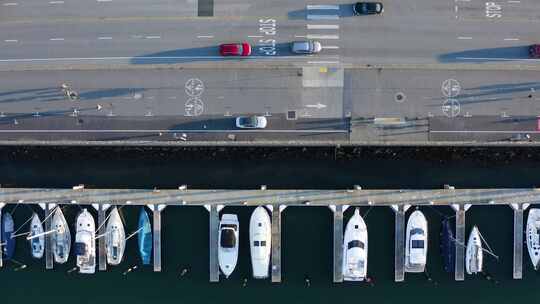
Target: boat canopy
(417, 244)
(80, 248)
(228, 238)
(233, 226)
(417, 231)
(355, 243)
(259, 243)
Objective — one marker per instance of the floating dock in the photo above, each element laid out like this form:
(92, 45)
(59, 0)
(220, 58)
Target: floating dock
(49, 258)
(337, 200)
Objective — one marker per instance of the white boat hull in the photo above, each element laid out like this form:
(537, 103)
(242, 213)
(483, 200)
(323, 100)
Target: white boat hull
(37, 237)
(61, 238)
(228, 238)
(355, 249)
(86, 237)
(533, 236)
(115, 238)
(416, 242)
(260, 240)
(474, 254)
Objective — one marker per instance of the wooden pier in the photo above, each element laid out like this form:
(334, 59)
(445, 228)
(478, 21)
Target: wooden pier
(102, 254)
(337, 200)
(276, 243)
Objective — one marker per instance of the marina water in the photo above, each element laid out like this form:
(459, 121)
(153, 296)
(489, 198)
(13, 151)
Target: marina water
(306, 236)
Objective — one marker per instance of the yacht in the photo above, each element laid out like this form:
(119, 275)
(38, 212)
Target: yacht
(416, 242)
(8, 241)
(533, 236)
(61, 237)
(355, 249)
(85, 242)
(115, 238)
(260, 238)
(36, 237)
(474, 253)
(228, 243)
(144, 237)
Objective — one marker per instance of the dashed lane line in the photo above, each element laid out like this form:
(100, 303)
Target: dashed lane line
(11, 40)
(152, 37)
(57, 39)
(11, 4)
(511, 39)
(56, 2)
(105, 38)
(330, 47)
(205, 36)
(464, 38)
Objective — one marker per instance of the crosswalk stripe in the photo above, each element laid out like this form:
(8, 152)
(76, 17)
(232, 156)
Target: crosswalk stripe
(322, 26)
(322, 37)
(322, 7)
(322, 17)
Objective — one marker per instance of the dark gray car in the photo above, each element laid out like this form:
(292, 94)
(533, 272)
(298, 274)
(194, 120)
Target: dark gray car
(368, 8)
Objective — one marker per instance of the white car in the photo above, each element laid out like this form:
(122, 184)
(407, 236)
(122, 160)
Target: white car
(306, 47)
(251, 122)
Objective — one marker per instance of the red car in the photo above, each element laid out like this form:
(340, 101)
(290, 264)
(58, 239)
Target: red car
(534, 51)
(235, 49)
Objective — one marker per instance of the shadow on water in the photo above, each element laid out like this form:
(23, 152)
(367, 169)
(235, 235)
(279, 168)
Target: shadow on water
(486, 55)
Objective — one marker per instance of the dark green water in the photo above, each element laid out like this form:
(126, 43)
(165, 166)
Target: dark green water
(307, 232)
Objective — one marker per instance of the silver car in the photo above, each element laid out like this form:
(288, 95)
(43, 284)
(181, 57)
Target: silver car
(251, 122)
(306, 47)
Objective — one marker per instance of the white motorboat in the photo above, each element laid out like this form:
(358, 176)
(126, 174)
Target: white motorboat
(533, 236)
(416, 242)
(85, 242)
(355, 249)
(36, 237)
(115, 238)
(260, 238)
(61, 237)
(474, 253)
(228, 243)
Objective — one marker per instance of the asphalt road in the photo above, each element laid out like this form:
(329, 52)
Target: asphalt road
(299, 103)
(409, 32)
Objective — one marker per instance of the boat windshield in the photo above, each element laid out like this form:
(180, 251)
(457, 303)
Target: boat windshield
(417, 231)
(80, 248)
(417, 244)
(355, 243)
(228, 238)
(259, 243)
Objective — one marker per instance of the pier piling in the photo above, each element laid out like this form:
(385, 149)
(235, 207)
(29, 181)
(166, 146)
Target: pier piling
(213, 242)
(276, 242)
(157, 235)
(518, 240)
(399, 242)
(338, 242)
(459, 274)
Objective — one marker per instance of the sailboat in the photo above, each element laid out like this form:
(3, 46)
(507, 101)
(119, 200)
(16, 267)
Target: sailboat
(355, 249)
(260, 238)
(416, 242)
(36, 237)
(474, 254)
(533, 236)
(448, 246)
(8, 241)
(145, 237)
(228, 243)
(115, 238)
(85, 242)
(61, 237)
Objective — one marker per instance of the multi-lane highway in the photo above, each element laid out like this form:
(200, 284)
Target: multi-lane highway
(163, 32)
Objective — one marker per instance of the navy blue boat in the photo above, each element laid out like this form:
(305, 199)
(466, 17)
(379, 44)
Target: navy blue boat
(448, 246)
(8, 241)
(145, 237)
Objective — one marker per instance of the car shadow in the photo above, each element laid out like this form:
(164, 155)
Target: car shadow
(181, 55)
(206, 122)
(487, 55)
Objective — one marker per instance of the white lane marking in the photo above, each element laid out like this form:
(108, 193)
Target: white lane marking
(142, 58)
(11, 40)
(300, 36)
(104, 0)
(463, 0)
(322, 26)
(104, 38)
(511, 39)
(181, 130)
(323, 62)
(205, 36)
(255, 36)
(464, 38)
(322, 17)
(330, 47)
(56, 39)
(56, 2)
(514, 1)
(152, 37)
(497, 58)
(322, 36)
(456, 9)
(322, 7)
(11, 4)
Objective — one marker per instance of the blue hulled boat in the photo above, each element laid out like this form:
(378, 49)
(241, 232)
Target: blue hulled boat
(8, 241)
(448, 246)
(145, 237)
